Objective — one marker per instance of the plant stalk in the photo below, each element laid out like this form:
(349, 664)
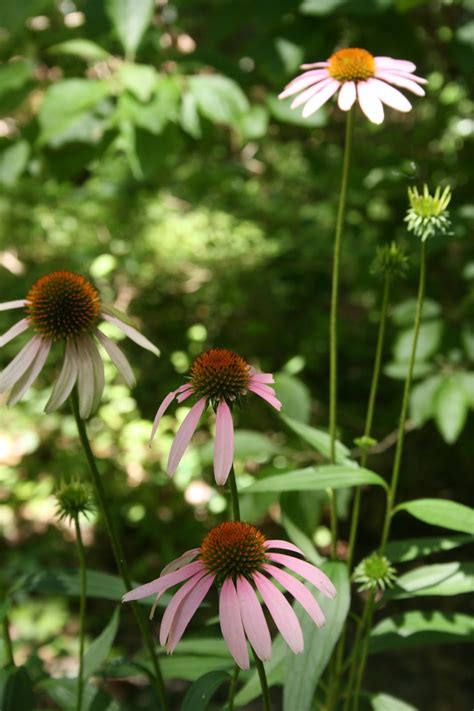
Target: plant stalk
(82, 611)
(234, 495)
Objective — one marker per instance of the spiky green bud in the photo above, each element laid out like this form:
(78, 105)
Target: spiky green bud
(73, 498)
(374, 572)
(428, 215)
(390, 259)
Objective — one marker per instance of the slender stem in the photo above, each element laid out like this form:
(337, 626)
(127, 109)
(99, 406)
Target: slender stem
(370, 413)
(406, 397)
(357, 646)
(7, 639)
(233, 688)
(82, 611)
(117, 549)
(363, 656)
(234, 495)
(341, 211)
(263, 683)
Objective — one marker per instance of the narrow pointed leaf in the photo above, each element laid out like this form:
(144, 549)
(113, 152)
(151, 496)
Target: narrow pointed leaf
(201, 692)
(317, 479)
(441, 512)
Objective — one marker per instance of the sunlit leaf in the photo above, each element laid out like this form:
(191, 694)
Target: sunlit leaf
(218, 98)
(130, 19)
(319, 440)
(412, 548)
(83, 48)
(98, 651)
(386, 702)
(441, 512)
(317, 479)
(451, 409)
(416, 628)
(439, 579)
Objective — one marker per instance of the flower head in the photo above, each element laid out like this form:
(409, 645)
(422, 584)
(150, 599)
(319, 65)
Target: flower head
(219, 378)
(63, 306)
(390, 260)
(374, 572)
(428, 214)
(74, 498)
(238, 559)
(355, 74)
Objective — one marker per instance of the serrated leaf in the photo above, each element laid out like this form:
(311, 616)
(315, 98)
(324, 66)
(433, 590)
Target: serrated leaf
(422, 400)
(218, 98)
(451, 409)
(201, 692)
(439, 579)
(317, 479)
(319, 440)
(412, 548)
(441, 512)
(416, 627)
(303, 671)
(101, 646)
(130, 19)
(83, 48)
(294, 396)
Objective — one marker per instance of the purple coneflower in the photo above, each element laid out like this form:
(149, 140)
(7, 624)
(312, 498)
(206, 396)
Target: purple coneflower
(355, 74)
(220, 378)
(237, 558)
(63, 306)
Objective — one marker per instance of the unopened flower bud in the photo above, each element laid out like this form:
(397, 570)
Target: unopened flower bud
(374, 573)
(391, 260)
(428, 215)
(73, 498)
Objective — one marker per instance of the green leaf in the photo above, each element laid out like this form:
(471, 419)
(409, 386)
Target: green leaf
(14, 14)
(58, 581)
(65, 104)
(451, 409)
(303, 671)
(398, 371)
(83, 48)
(467, 337)
(404, 313)
(189, 117)
(317, 479)
(13, 162)
(319, 440)
(441, 512)
(273, 669)
(281, 111)
(101, 646)
(295, 398)
(320, 7)
(466, 382)
(291, 54)
(18, 691)
(218, 98)
(386, 702)
(190, 668)
(253, 124)
(416, 627)
(64, 693)
(139, 79)
(412, 548)
(439, 579)
(429, 339)
(422, 400)
(15, 75)
(201, 692)
(130, 19)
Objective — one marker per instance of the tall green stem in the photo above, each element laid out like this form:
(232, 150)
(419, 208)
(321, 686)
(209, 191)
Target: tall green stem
(361, 626)
(370, 413)
(233, 688)
(405, 401)
(341, 211)
(82, 611)
(117, 549)
(263, 683)
(363, 655)
(234, 495)
(7, 640)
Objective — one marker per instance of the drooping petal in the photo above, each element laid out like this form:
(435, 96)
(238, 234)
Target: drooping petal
(8, 305)
(390, 96)
(183, 560)
(231, 624)
(117, 356)
(253, 619)
(224, 443)
(85, 380)
(276, 543)
(266, 393)
(262, 378)
(308, 571)
(321, 97)
(28, 378)
(174, 603)
(314, 64)
(369, 102)
(347, 95)
(66, 379)
(97, 369)
(184, 394)
(132, 333)
(161, 411)
(283, 614)
(401, 81)
(187, 609)
(302, 82)
(401, 65)
(309, 93)
(20, 363)
(14, 331)
(184, 434)
(299, 592)
(161, 584)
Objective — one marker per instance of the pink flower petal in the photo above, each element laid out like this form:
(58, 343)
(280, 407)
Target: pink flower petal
(97, 370)
(14, 331)
(320, 98)
(8, 305)
(282, 613)
(396, 64)
(231, 624)
(347, 95)
(184, 434)
(308, 571)
(161, 411)
(309, 93)
(184, 394)
(265, 393)
(178, 563)
(253, 619)
(302, 82)
(132, 333)
(174, 603)
(187, 609)
(161, 584)
(299, 592)
(262, 378)
(283, 545)
(401, 81)
(28, 378)
(117, 357)
(224, 443)
(85, 380)
(369, 102)
(314, 64)
(20, 363)
(66, 379)
(390, 96)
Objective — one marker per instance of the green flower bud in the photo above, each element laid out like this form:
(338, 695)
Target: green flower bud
(374, 572)
(428, 215)
(390, 259)
(72, 499)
